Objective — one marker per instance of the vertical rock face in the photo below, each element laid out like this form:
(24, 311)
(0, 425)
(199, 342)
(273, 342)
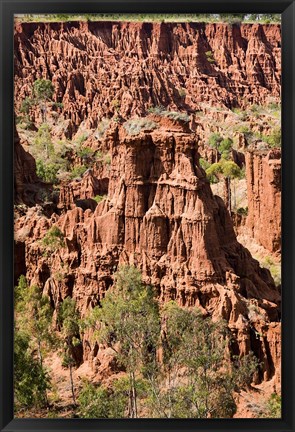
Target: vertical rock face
(160, 215)
(263, 173)
(81, 192)
(97, 68)
(24, 173)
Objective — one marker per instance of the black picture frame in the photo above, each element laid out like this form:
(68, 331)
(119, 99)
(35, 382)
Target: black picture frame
(7, 10)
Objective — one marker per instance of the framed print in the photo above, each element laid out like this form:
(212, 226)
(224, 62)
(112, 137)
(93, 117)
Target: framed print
(147, 207)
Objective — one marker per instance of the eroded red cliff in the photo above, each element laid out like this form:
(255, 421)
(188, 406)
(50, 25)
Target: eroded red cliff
(101, 69)
(264, 197)
(160, 215)
(158, 212)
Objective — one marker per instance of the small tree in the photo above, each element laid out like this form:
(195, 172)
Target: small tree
(230, 171)
(101, 402)
(226, 170)
(68, 319)
(43, 141)
(47, 172)
(214, 141)
(225, 147)
(31, 381)
(43, 91)
(197, 377)
(33, 327)
(128, 321)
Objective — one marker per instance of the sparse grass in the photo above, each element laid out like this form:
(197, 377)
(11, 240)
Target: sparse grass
(135, 126)
(173, 115)
(102, 128)
(254, 313)
(274, 268)
(159, 109)
(234, 18)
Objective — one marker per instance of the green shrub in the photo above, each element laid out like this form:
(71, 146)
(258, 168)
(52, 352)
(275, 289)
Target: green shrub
(243, 211)
(246, 131)
(245, 368)
(26, 105)
(204, 164)
(210, 57)
(85, 152)
(274, 139)
(47, 172)
(225, 145)
(214, 140)
(58, 105)
(213, 171)
(101, 402)
(93, 401)
(43, 144)
(274, 106)
(53, 239)
(274, 406)
(254, 108)
(30, 380)
(107, 159)
(43, 89)
(78, 171)
(274, 268)
(99, 198)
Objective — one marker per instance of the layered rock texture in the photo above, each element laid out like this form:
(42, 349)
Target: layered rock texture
(161, 216)
(101, 68)
(264, 197)
(158, 211)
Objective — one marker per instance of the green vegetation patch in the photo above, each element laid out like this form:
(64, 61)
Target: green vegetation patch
(99, 198)
(226, 18)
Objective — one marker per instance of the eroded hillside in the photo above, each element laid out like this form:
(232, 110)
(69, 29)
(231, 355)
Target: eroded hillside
(129, 128)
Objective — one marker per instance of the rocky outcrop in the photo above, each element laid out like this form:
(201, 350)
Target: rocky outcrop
(82, 191)
(263, 173)
(158, 211)
(24, 174)
(110, 68)
(161, 216)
